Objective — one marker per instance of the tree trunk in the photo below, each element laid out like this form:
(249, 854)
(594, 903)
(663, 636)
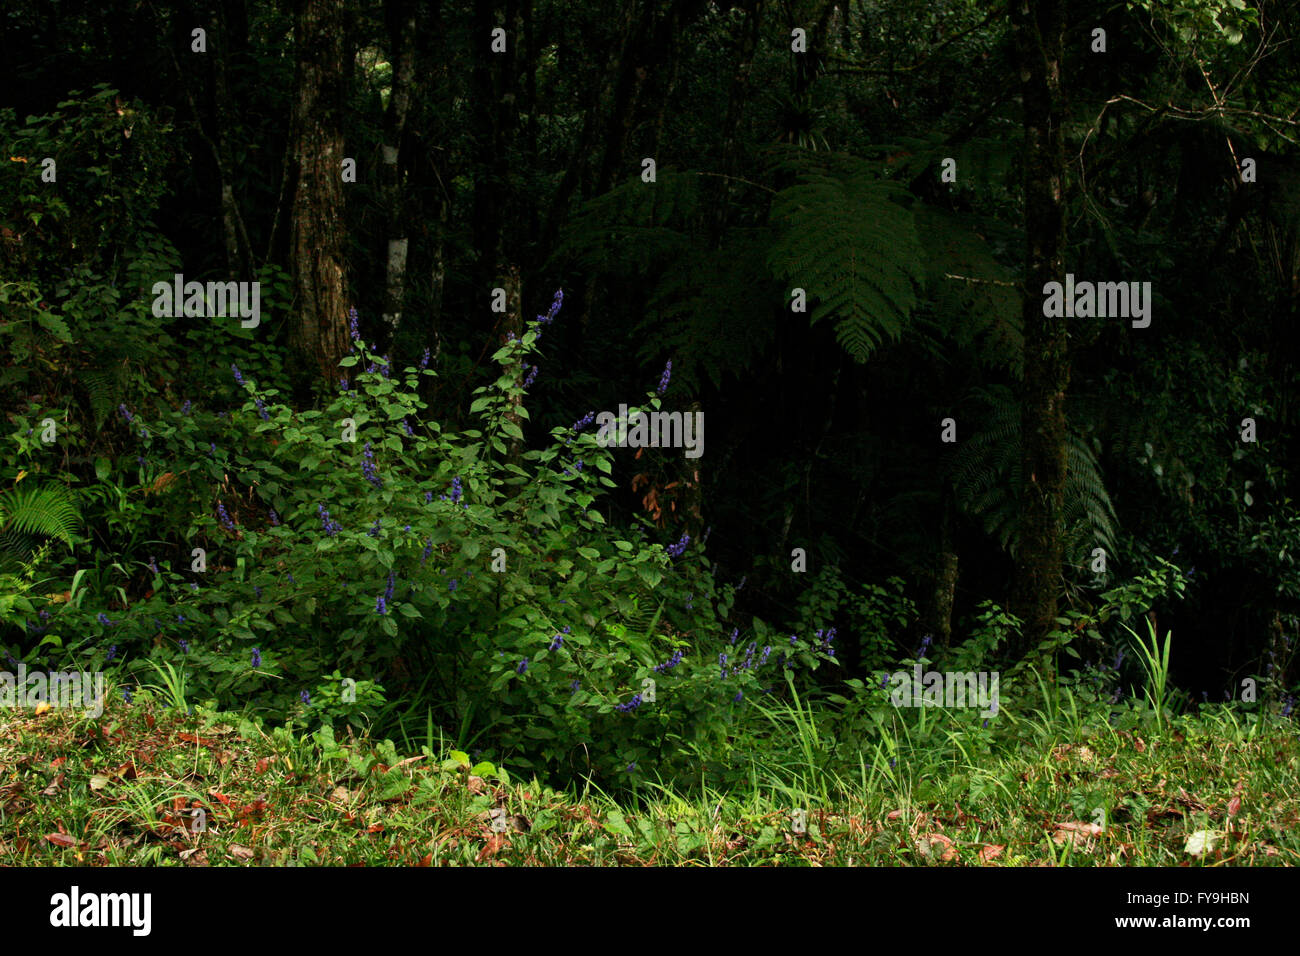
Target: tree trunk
(320, 330)
(1037, 28)
(402, 33)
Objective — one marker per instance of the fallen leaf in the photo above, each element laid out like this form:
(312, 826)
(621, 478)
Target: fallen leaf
(494, 843)
(42, 707)
(1201, 842)
(893, 814)
(62, 839)
(1072, 829)
(476, 784)
(99, 782)
(240, 852)
(991, 851)
(932, 843)
(54, 786)
(1234, 805)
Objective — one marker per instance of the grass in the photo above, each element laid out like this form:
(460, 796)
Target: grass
(144, 784)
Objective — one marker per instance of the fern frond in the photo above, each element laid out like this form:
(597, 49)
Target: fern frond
(854, 250)
(48, 511)
(987, 478)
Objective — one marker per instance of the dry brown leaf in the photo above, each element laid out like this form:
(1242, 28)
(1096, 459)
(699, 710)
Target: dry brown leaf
(1234, 806)
(240, 852)
(62, 839)
(476, 784)
(936, 843)
(991, 851)
(893, 814)
(494, 843)
(1073, 829)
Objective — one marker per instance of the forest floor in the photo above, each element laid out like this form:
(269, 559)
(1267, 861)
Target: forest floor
(145, 785)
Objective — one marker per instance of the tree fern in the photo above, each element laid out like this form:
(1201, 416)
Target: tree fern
(973, 299)
(987, 479)
(713, 314)
(635, 227)
(854, 250)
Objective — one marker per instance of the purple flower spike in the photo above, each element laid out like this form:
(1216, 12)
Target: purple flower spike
(667, 376)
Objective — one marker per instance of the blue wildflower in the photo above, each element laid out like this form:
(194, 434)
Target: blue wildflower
(522, 666)
(670, 663)
(330, 527)
(668, 374)
(368, 467)
(543, 321)
(239, 379)
(257, 657)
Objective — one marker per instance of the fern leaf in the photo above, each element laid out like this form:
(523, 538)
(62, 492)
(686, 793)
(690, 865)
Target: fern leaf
(855, 251)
